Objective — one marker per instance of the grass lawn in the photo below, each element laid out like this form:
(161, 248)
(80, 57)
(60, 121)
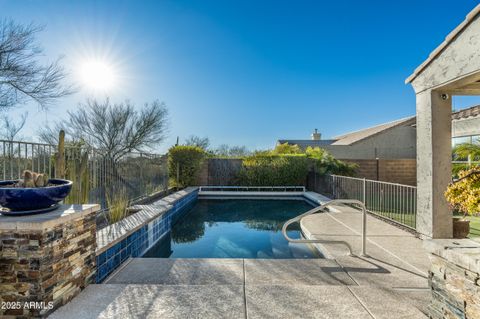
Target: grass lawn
(405, 219)
(474, 225)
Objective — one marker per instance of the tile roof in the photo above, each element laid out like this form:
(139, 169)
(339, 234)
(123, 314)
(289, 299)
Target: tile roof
(354, 137)
(473, 111)
(448, 39)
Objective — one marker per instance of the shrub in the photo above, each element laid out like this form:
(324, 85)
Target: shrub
(184, 161)
(286, 148)
(325, 163)
(117, 202)
(274, 170)
(464, 194)
(458, 167)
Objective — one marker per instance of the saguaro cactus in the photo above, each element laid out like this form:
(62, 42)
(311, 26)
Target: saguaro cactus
(60, 160)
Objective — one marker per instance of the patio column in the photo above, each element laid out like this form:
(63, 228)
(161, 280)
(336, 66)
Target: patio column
(434, 161)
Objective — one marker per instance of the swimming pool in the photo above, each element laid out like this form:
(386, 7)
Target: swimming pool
(235, 228)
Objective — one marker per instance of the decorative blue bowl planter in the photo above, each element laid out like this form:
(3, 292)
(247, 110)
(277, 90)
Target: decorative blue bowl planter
(18, 200)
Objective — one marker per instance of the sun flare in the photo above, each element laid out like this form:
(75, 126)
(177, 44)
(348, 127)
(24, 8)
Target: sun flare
(97, 75)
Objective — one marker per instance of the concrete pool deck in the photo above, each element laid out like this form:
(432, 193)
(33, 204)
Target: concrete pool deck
(390, 283)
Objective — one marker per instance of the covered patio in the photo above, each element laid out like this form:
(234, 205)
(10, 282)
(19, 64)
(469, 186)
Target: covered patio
(452, 69)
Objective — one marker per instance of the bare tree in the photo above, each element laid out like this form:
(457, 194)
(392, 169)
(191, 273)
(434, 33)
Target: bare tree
(114, 129)
(22, 77)
(231, 151)
(10, 128)
(239, 151)
(49, 134)
(202, 142)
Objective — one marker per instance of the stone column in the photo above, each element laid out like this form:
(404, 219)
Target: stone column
(454, 278)
(434, 161)
(46, 260)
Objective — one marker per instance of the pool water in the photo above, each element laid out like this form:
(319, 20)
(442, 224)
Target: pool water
(235, 228)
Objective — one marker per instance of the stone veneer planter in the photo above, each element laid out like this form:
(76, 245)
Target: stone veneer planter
(134, 235)
(454, 278)
(46, 260)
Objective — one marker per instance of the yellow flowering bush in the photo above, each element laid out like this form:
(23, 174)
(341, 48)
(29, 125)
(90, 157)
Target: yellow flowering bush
(464, 194)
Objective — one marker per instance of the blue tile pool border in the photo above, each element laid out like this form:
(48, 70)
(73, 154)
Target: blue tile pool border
(136, 242)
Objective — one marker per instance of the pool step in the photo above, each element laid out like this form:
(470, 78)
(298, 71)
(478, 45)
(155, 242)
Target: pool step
(160, 271)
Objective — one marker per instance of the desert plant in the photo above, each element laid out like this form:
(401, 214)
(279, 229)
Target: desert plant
(72, 163)
(464, 193)
(114, 129)
(31, 179)
(76, 170)
(60, 156)
(184, 163)
(117, 202)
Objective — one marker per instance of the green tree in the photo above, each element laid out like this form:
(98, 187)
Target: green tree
(286, 148)
(463, 151)
(184, 163)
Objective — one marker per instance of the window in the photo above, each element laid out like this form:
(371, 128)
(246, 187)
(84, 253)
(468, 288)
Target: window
(464, 139)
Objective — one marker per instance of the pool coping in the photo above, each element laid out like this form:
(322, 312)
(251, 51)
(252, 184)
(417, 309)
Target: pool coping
(134, 235)
(112, 234)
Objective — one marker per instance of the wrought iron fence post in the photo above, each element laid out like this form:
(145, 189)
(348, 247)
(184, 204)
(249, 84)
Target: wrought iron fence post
(365, 191)
(364, 231)
(334, 187)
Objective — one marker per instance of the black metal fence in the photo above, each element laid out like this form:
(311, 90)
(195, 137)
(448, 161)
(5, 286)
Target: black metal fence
(392, 201)
(93, 173)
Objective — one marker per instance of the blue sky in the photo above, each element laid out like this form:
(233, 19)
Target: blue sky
(248, 72)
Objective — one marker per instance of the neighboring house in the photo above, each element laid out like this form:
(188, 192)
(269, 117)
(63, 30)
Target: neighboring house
(393, 140)
(466, 126)
(387, 152)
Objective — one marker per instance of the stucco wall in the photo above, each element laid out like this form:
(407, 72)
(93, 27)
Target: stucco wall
(466, 127)
(454, 62)
(396, 143)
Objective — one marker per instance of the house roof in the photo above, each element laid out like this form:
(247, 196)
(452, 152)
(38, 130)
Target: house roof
(473, 111)
(354, 137)
(448, 39)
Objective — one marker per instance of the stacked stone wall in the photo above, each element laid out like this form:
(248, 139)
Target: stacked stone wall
(42, 269)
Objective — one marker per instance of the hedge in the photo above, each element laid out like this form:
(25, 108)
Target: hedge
(184, 161)
(272, 168)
